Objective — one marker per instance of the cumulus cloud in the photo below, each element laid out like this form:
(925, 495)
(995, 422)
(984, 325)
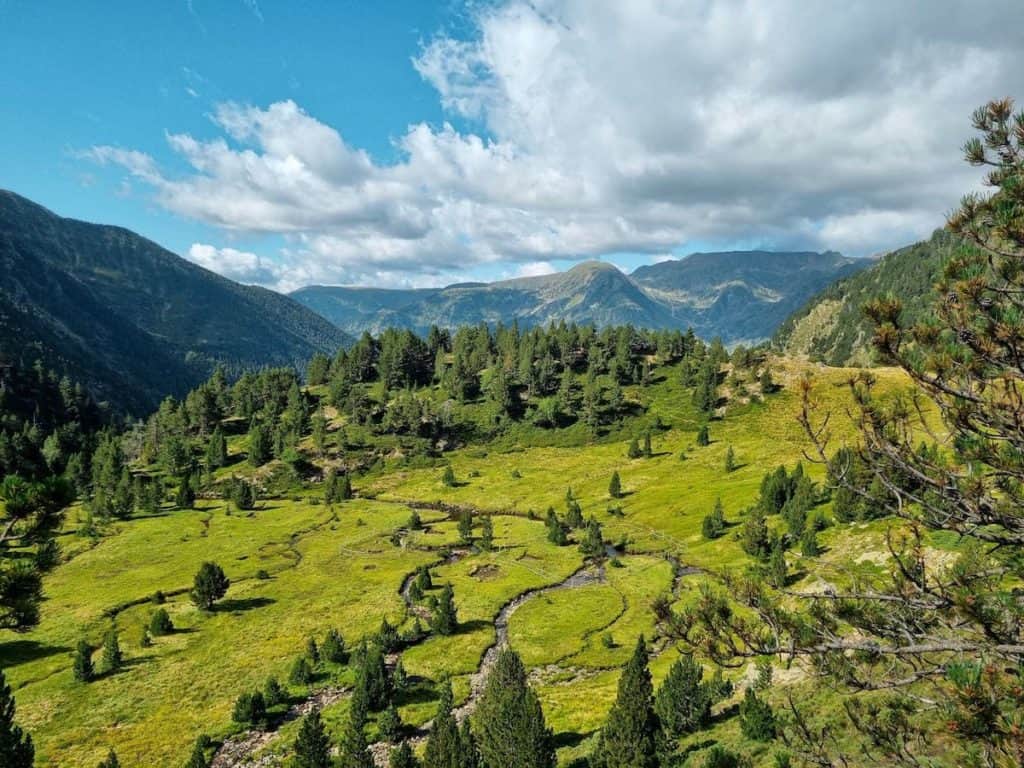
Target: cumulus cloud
(620, 127)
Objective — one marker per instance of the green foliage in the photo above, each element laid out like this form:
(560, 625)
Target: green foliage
(209, 586)
(301, 673)
(592, 543)
(448, 477)
(389, 725)
(198, 757)
(730, 460)
(444, 747)
(112, 656)
(16, 749)
(312, 748)
(703, 436)
(260, 444)
(250, 709)
(684, 700)
(633, 452)
(333, 647)
(402, 756)
(82, 666)
(444, 620)
(555, 528)
(110, 761)
(615, 486)
(757, 721)
(713, 524)
(754, 535)
(466, 526)
(486, 533)
(629, 738)
(160, 623)
(273, 693)
(509, 722)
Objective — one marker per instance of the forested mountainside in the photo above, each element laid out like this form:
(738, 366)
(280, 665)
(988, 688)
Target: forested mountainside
(738, 297)
(832, 326)
(130, 320)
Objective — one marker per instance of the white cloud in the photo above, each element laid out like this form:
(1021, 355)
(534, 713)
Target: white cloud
(633, 127)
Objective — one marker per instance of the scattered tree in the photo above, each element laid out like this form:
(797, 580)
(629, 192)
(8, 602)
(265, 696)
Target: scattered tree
(209, 586)
(16, 748)
(629, 738)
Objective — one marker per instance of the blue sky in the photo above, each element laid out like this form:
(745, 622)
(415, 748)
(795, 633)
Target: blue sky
(418, 143)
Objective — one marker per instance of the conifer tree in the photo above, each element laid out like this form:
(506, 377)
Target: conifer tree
(629, 738)
(185, 498)
(703, 436)
(757, 721)
(198, 757)
(389, 725)
(470, 751)
(110, 761)
(466, 526)
(344, 488)
(259, 444)
(633, 452)
(112, 656)
(683, 703)
(83, 669)
(160, 623)
(556, 531)
(448, 477)
(16, 749)
(509, 722)
(713, 526)
(444, 621)
(730, 460)
(648, 451)
(312, 748)
(333, 647)
(574, 515)
(615, 486)
(402, 756)
(354, 751)
(486, 533)
(209, 586)
(273, 693)
(216, 450)
(592, 544)
(444, 746)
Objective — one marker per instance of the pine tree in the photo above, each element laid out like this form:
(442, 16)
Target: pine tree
(273, 693)
(300, 673)
(486, 534)
(312, 651)
(466, 526)
(354, 751)
(777, 569)
(312, 748)
(574, 515)
(344, 489)
(333, 647)
(510, 727)
(389, 725)
(592, 544)
(209, 586)
(633, 452)
(16, 749)
(448, 477)
(402, 756)
(259, 444)
(629, 738)
(730, 460)
(757, 721)
(160, 623)
(110, 761)
(444, 747)
(648, 451)
(185, 498)
(423, 579)
(112, 656)
(713, 525)
(703, 436)
(198, 757)
(444, 621)
(82, 667)
(683, 703)
(470, 751)
(250, 709)
(216, 451)
(556, 531)
(615, 486)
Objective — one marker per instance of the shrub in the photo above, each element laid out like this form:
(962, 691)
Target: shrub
(757, 721)
(209, 586)
(160, 623)
(250, 709)
(301, 672)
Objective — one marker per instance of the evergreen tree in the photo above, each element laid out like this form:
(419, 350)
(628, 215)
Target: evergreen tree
(259, 444)
(415, 523)
(344, 488)
(112, 656)
(354, 751)
(486, 533)
(615, 486)
(198, 757)
(333, 647)
(110, 761)
(466, 526)
(633, 452)
(319, 423)
(754, 537)
(444, 746)
(592, 544)
(273, 693)
(312, 651)
(209, 586)
(510, 727)
(683, 703)
(423, 579)
(216, 451)
(470, 751)
(300, 673)
(312, 749)
(444, 620)
(82, 667)
(713, 525)
(160, 623)
(629, 738)
(648, 451)
(402, 756)
(757, 721)
(448, 477)
(16, 749)
(389, 725)
(777, 569)
(730, 460)
(185, 498)
(250, 709)
(703, 436)
(556, 531)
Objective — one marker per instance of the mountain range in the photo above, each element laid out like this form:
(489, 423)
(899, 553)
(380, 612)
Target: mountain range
(130, 320)
(739, 296)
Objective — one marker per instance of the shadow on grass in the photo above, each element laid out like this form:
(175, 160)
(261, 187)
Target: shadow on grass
(570, 739)
(243, 604)
(22, 651)
(473, 625)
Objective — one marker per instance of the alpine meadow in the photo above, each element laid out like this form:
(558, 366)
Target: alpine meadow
(537, 436)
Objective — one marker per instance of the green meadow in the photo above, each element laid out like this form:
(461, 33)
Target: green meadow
(299, 567)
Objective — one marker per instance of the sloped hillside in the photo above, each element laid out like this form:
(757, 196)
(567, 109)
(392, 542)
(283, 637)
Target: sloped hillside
(130, 319)
(832, 326)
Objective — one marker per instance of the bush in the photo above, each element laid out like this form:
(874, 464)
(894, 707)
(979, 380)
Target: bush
(250, 709)
(160, 623)
(757, 721)
(209, 586)
(301, 672)
(273, 693)
(713, 525)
